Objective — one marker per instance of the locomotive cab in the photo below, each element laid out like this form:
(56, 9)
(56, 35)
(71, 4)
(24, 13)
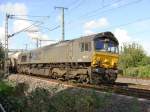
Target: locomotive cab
(105, 57)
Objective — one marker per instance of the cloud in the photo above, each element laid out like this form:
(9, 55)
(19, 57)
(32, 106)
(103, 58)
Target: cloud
(88, 32)
(102, 22)
(122, 35)
(41, 36)
(144, 43)
(94, 24)
(115, 5)
(146, 47)
(17, 8)
(38, 35)
(18, 25)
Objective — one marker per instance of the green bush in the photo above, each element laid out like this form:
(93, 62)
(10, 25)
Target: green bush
(144, 71)
(133, 72)
(39, 100)
(2, 75)
(69, 100)
(141, 71)
(11, 98)
(5, 88)
(133, 61)
(80, 101)
(132, 55)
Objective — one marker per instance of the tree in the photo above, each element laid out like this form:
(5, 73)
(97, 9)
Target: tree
(2, 54)
(131, 55)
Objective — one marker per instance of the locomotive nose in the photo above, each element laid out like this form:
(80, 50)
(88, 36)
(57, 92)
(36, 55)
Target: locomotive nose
(104, 60)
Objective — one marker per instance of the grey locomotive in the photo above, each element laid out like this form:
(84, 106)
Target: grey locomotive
(89, 59)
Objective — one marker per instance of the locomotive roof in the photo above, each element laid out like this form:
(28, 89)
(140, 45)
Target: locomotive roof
(101, 35)
(94, 36)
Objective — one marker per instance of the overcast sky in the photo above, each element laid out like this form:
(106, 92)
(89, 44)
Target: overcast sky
(129, 20)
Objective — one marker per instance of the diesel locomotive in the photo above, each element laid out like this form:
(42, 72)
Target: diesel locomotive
(89, 59)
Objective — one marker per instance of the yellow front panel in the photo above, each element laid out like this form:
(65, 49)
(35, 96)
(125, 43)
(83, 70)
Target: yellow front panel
(105, 60)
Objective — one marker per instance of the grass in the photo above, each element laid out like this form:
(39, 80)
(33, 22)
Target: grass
(140, 72)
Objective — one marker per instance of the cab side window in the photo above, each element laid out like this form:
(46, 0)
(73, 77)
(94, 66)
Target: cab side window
(85, 46)
(82, 47)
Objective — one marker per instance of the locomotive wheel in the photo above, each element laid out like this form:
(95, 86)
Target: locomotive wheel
(83, 79)
(96, 78)
(87, 80)
(54, 75)
(109, 78)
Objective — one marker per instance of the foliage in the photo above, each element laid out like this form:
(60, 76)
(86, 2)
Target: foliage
(17, 99)
(11, 100)
(133, 61)
(141, 72)
(39, 100)
(145, 61)
(80, 101)
(2, 75)
(1, 53)
(5, 88)
(14, 99)
(1, 62)
(131, 55)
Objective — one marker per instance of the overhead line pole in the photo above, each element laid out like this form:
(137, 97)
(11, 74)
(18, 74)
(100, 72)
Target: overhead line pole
(37, 42)
(6, 44)
(62, 21)
(7, 36)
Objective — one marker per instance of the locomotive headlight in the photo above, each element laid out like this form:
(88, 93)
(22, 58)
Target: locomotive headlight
(95, 62)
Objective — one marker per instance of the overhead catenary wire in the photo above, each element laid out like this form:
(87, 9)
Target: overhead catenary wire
(105, 6)
(72, 3)
(36, 23)
(31, 16)
(126, 24)
(87, 15)
(78, 5)
(16, 18)
(100, 8)
(49, 29)
(23, 30)
(124, 5)
(129, 23)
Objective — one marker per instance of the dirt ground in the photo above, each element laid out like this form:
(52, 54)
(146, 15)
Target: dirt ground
(134, 81)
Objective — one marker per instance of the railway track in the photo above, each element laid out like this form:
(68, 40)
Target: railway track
(119, 88)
